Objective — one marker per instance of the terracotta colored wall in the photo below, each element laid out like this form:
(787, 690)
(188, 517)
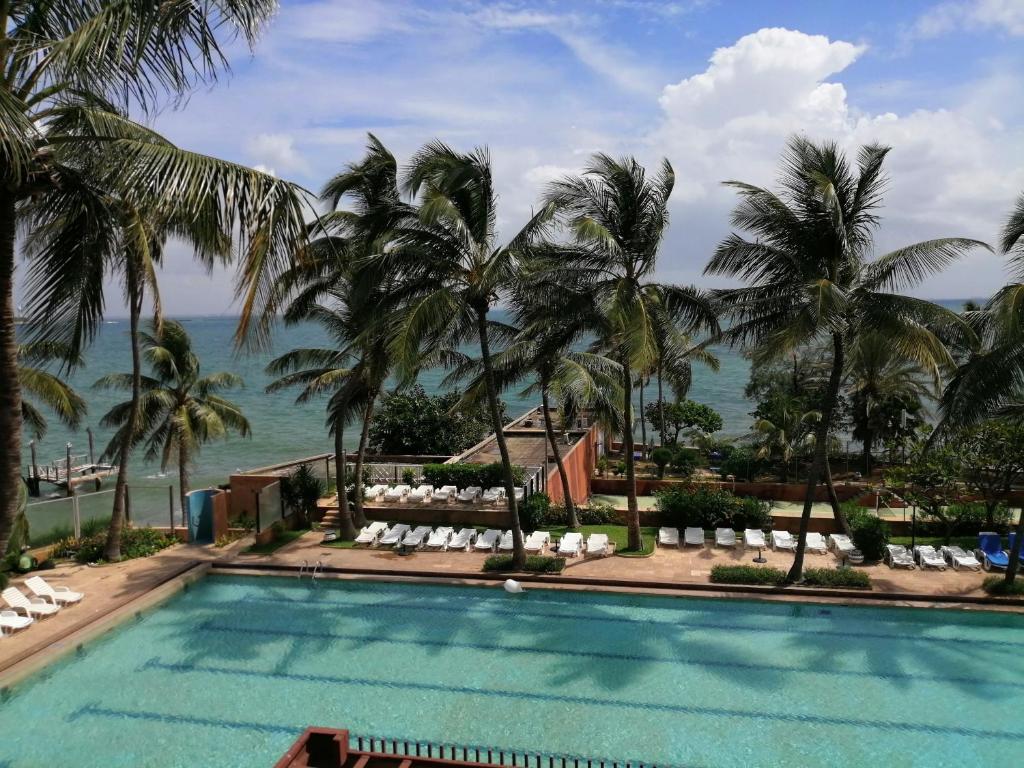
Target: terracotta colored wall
(579, 468)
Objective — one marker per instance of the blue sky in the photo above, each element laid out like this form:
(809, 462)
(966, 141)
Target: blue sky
(714, 86)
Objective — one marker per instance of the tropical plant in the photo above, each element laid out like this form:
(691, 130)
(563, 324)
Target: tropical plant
(180, 410)
(46, 387)
(991, 455)
(687, 417)
(811, 281)
(930, 479)
(411, 422)
(301, 490)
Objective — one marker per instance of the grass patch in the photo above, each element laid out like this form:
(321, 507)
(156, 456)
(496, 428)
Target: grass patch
(967, 542)
(836, 578)
(617, 534)
(285, 537)
(760, 575)
(534, 564)
(996, 585)
(339, 544)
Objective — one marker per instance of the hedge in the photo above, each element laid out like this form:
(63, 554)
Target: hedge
(534, 564)
(465, 475)
(996, 585)
(702, 506)
(836, 577)
(747, 574)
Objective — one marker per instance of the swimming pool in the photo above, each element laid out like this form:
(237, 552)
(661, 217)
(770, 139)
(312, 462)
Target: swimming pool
(231, 671)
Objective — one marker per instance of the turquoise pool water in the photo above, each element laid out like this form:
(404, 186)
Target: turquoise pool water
(229, 672)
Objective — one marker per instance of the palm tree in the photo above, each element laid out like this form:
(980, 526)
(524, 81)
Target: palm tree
(451, 270)
(617, 217)
(46, 387)
(811, 280)
(179, 409)
(88, 184)
(783, 430)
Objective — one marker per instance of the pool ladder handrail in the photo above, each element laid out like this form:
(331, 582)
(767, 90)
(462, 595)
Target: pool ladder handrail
(316, 569)
(302, 570)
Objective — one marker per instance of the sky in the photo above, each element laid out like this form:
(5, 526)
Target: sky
(715, 87)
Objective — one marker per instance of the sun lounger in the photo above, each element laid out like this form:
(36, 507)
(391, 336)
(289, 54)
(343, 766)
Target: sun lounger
(571, 544)
(505, 543)
(371, 533)
(56, 595)
(487, 540)
(783, 540)
(11, 621)
(536, 541)
(393, 535)
(668, 537)
(32, 606)
(422, 494)
(417, 537)
(960, 558)
(754, 538)
(897, 556)
(694, 536)
(374, 492)
(462, 540)
(927, 557)
(598, 544)
(493, 495)
(471, 494)
(840, 544)
(815, 542)
(444, 493)
(439, 538)
(990, 551)
(396, 493)
(725, 537)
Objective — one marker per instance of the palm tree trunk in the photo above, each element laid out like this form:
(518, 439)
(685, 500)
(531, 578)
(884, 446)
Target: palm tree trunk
(661, 406)
(869, 439)
(518, 551)
(183, 483)
(1014, 563)
(634, 543)
(10, 388)
(339, 466)
(818, 462)
(643, 421)
(112, 550)
(570, 508)
(359, 516)
(833, 499)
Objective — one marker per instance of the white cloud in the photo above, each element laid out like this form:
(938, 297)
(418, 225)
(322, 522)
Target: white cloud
(340, 21)
(275, 151)
(1005, 15)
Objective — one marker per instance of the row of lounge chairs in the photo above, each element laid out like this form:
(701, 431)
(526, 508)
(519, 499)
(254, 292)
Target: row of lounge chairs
(447, 539)
(753, 538)
(923, 556)
(46, 600)
(425, 494)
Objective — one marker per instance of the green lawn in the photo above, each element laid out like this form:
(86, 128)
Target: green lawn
(286, 537)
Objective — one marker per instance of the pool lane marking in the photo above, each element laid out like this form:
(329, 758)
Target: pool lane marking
(210, 626)
(684, 624)
(554, 698)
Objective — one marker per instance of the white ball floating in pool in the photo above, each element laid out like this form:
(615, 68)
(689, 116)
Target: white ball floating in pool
(512, 586)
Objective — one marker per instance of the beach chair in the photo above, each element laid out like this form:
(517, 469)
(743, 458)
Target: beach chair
(32, 606)
(12, 622)
(753, 538)
(694, 536)
(417, 537)
(897, 556)
(927, 557)
(56, 595)
(815, 542)
(393, 536)
(570, 545)
(783, 540)
(668, 537)
(990, 551)
(488, 540)
(598, 545)
(536, 542)
(959, 558)
(840, 544)
(396, 493)
(505, 542)
(439, 538)
(374, 492)
(422, 494)
(444, 493)
(371, 533)
(471, 494)
(725, 537)
(493, 495)
(462, 540)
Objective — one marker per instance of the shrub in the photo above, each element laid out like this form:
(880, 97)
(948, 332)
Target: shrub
(135, 542)
(598, 513)
(465, 475)
(996, 585)
(3, 580)
(408, 476)
(836, 577)
(741, 463)
(66, 547)
(661, 458)
(709, 507)
(747, 574)
(752, 513)
(620, 468)
(301, 490)
(602, 465)
(870, 532)
(242, 521)
(535, 512)
(684, 461)
(535, 564)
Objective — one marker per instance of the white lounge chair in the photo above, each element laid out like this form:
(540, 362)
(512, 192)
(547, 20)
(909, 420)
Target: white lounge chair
(444, 493)
(471, 494)
(374, 492)
(396, 493)
(783, 540)
(668, 537)
(536, 541)
(422, 494)
(959, 558)
(11, 621)
(493, 495)
(841, 544)
(694, 536)
(725, 537)
(393, 535)
(487, 540)
(462, 540)
(815, 542)
(57, 595)
(371, 533)
(753, 538)
(505, 543)
(417, 537)
(439, 538)
(897, 556)
(927, 557)
(571, 544)
(37, 606)
(598, 544)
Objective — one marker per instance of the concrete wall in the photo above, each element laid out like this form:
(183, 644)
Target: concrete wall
(579, 467)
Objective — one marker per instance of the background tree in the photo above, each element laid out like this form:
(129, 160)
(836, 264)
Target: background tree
(931, 479)
(411, 422)
(992, 460)
(687, 417)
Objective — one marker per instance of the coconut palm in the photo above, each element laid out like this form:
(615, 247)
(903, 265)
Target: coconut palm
(45, 387)
(617, 216)
(87, 184)
(811, 281)
(783, 430)
(180, 410)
